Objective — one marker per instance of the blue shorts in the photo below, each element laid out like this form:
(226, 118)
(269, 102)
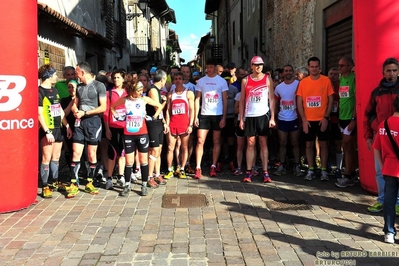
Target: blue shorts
(288, 126)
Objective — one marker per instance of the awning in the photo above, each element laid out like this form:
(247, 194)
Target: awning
(211, 6)
(50, 15)
(163, 10)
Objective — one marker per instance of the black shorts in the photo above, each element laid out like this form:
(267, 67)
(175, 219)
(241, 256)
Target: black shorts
(344, 123)
(155, 132)
(89, 131)
(314, 130)
(57, 133)
(229, 128)
(335, 132)
(136, 141)
(115, 147)
(209, 122)
(257, 126)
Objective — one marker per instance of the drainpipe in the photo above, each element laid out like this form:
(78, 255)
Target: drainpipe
(262, 17)
(227, 31)
(242, 32)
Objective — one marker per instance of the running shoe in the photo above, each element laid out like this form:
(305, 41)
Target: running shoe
(182, 175)
(125, 192)
(198, 174)
(169, 175)
(248, 177)
(344, 182)
(160, 180)
(266, 178)
(309, 176)
(100, 175)
(189, 170)
(89, 188)
(73, 190)
(280, 170)
(324, 176)
(46, 192)
(120, 181)
(213, 171)
(151, 183)
(109, 185)
(238, 171)
(377, 207)
(232, 167)
(177, 172)
(389, 238)
(298, 171)
(144, 191)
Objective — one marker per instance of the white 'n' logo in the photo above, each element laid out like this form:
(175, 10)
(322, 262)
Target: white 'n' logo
(10, 87)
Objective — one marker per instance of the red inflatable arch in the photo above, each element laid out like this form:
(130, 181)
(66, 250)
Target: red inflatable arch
(18, 105)
(376, 37)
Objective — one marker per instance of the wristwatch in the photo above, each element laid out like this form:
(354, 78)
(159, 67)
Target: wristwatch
(353, 118)
(48, 131)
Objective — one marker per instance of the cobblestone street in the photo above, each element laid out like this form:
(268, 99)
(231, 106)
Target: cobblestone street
(235, 228)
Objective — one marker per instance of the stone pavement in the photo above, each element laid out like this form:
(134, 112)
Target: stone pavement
(236, 228)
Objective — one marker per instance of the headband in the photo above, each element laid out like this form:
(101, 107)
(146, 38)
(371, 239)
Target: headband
(48, 73)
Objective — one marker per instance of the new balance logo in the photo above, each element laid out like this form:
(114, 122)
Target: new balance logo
(10, 89)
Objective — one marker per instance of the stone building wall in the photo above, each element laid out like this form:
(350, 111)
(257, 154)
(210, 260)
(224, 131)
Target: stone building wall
(292, 33)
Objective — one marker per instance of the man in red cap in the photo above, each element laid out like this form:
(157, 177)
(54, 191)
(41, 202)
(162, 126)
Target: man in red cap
(257, 99)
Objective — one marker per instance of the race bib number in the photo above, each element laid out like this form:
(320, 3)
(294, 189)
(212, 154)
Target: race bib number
(344, 92)
(255, 99)
(178, 109)
(134, 123)
(55, 110)
(335, 107)
(211, 98)
(313, 101)
(287, 105)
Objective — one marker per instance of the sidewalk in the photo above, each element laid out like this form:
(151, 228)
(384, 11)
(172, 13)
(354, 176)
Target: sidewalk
(236, 228)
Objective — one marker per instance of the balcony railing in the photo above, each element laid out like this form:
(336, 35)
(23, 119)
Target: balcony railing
(139, 46)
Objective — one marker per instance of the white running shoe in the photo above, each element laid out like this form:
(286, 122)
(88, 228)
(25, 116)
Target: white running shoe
(121, 181)
(389, 238)
(109, 185)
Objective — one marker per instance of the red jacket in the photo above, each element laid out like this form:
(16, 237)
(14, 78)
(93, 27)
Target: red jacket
(379, 107)
(107, 116)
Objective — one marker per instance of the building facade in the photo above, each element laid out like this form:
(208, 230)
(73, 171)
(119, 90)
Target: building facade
(281, 31)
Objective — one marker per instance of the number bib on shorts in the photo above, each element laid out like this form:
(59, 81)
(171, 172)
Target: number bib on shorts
(313, 101)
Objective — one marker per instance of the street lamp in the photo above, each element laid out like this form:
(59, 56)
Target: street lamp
(142, 6)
